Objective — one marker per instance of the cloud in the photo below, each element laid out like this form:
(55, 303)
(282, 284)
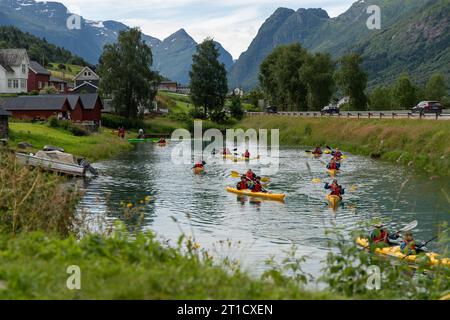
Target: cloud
(234, 23)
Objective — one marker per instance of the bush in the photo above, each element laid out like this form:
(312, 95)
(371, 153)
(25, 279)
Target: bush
(75, 129)
(32, 200)
(114, 121)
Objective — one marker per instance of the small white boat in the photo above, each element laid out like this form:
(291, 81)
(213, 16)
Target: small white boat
(56, 161)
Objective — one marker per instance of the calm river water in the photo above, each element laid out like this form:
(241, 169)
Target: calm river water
(260, 229)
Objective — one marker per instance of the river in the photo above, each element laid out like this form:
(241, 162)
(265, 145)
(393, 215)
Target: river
(259, 229)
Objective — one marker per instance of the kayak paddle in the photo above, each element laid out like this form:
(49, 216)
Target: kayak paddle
(432, 239)
(236, 174)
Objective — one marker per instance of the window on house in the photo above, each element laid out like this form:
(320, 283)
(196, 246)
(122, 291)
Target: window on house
(89, 73)
(16, 84)
(61, 87)
(40, 84)
(85, 73)
(23, 83)
(24, 68)
(9, 83)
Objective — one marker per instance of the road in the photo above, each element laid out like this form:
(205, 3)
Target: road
(401, 114)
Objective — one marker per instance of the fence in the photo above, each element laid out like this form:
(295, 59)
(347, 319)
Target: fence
(359, 115)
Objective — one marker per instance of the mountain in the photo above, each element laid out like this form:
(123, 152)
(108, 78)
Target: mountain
(414, 38)
(48, 20)
(11, 37)
(173, 56)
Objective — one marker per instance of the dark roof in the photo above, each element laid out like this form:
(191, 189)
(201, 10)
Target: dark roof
(44, 102)
(73, 100)
(89, 100)
(4, 112)
(84, 84)
(38, 69)
(55, 79)
(11, 57)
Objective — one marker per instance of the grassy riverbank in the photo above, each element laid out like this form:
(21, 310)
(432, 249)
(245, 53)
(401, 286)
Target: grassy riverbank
(94, 147)
(424, 145)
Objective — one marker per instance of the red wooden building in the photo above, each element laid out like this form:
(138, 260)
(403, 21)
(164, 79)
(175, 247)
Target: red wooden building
(38, 77)
(74, 107)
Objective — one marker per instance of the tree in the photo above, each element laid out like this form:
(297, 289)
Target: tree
(404, 93)
(126, 75)
(209, 85)
(317, 72)
(280, 78)
(381, 99)
(436, 88)
(254, 96)
(352, 80)
(236, 109)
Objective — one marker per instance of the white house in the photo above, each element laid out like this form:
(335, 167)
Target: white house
(14, 65)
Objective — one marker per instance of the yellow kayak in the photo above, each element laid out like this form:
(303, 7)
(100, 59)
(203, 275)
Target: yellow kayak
(248, 192)
(333, 172)
(397, 253)
(333, 201)
(236, 159)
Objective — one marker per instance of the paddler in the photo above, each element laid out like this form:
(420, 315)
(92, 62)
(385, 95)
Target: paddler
(333, 165)
(162, 140)
(257, 186)
(141, 134)
(199, 164)
(247, 154)
(243, 184)
(337, 154)
(380, 234)
(317, 151)
(408, 245)
(226, 151)
(250, 175)
(336, 189)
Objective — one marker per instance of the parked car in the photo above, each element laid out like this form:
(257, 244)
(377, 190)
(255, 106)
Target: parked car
(271, 109)
(330, 109)
(428, 107)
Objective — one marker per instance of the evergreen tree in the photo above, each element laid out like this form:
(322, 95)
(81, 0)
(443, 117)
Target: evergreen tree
(404, 93)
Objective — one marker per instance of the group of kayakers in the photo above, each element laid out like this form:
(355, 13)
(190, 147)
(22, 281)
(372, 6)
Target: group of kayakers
(251, 181)
(333, 166)
(227, 152)
(381, 236)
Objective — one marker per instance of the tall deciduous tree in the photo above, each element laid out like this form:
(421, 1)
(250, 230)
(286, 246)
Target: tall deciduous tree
(208, 75)
(352, 80)
(317, 72)
(404, 93)
(381, 98)
(436, 88)
(126, 74)
(280, 78)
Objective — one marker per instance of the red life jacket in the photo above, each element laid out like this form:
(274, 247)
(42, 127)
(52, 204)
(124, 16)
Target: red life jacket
(333, 166)
(247, 155)
(198, 165)
(251, 176)
(382, 237)
(242, 185)
(335, 190)
(257, 187)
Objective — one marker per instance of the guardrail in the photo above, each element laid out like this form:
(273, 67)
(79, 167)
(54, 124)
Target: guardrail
(359, 115)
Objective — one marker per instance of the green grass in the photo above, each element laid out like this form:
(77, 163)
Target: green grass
(33, 266)
(424, 145)
(94, 147)
(64, 74)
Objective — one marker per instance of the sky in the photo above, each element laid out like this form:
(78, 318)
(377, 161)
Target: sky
(233, 23)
